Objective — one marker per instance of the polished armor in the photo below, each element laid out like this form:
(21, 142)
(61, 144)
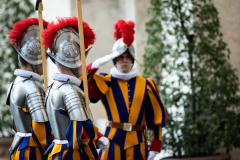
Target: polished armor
(66, 48)
(120, 47)
(73, 130)
(26, 95)
(65, 96)
(29, 47)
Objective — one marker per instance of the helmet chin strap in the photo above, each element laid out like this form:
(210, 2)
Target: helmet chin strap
(75, 71)
(35, 68)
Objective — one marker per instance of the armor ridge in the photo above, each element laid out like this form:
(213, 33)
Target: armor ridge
(67, 97)
(66, 48)
(30, 46)
(26, 94)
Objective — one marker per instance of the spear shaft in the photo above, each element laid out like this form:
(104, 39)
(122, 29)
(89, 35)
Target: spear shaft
(82, 46)
(44, 64)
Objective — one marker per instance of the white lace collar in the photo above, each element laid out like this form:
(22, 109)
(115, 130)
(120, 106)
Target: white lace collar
(65, 78)
(126, 76)
(27, 74)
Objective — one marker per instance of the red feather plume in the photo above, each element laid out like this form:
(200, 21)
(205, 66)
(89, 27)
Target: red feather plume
(54, 27)
(19, 28)
(124, 30)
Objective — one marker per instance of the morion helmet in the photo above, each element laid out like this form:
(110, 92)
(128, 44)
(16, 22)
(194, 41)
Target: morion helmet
(62, 39)
(26, 38)
(124, 35)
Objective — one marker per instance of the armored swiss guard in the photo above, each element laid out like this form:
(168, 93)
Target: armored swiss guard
(75, 135)
(26, 95)
(130, 101)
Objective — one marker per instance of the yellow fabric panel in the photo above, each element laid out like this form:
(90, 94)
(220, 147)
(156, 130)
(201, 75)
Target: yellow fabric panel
(131, 139)
(26, 153)
(137, 99)
(124, 89)
(101, 82)
(38, 154)
(112, 132)
(130, 153)
(151, 81)
(40, 132)
(76, 154)
(105, 112)
(17, 155)
(55, 158)
(95, 130)
(105, 154)
(159, 135)
(25, 110)
(114, 112)
(113, 106)
(56, 149)
(89, 152)
(156, 108)
(117, 151)
(32, 142)
(75, 141)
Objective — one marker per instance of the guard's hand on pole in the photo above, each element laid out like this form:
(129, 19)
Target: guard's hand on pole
(37, 4)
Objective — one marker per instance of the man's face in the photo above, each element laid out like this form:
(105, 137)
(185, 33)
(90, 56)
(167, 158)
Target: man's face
(124, 63)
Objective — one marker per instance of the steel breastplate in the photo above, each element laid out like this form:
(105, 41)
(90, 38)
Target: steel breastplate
(64, 98)
(26, 100)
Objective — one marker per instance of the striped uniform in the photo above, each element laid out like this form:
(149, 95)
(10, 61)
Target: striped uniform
(33, 147)
(81, 138)
(136, 101)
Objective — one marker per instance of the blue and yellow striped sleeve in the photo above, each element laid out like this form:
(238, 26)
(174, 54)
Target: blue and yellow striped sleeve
(156, 115)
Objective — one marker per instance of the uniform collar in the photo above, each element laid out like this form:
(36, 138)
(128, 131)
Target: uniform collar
(125, 76)
(66, 78)
(27, 74)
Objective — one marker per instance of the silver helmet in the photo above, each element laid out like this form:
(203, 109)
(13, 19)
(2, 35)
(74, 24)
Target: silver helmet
(66, 48)
(120, 47)
(29, 47)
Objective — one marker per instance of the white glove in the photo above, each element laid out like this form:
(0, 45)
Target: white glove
(152, 155)
(103, 143)
(101, 61)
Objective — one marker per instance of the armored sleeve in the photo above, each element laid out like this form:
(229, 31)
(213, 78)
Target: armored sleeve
(35, 102)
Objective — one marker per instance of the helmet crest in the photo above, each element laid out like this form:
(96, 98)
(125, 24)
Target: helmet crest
(124, 30)
(67, 22)
(19, 29)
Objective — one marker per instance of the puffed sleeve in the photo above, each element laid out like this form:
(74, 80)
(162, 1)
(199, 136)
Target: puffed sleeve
(156, 115)
(98, 85)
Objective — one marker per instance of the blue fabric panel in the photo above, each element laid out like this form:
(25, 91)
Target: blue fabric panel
(149, 112)
(69, 134)
(23, 143)
(137, 152)
(79, 131)
(32, 155)
(111, 151)
(119, 99)
(107, 108)
(131, 87)
(160, 103)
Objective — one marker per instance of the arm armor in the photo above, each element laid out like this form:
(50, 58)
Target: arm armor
(64, 97)
(19, 98)
(36, 104)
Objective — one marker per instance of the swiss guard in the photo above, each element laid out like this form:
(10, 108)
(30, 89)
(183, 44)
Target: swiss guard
(131, 102)
(26, 95)
(75, 135)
